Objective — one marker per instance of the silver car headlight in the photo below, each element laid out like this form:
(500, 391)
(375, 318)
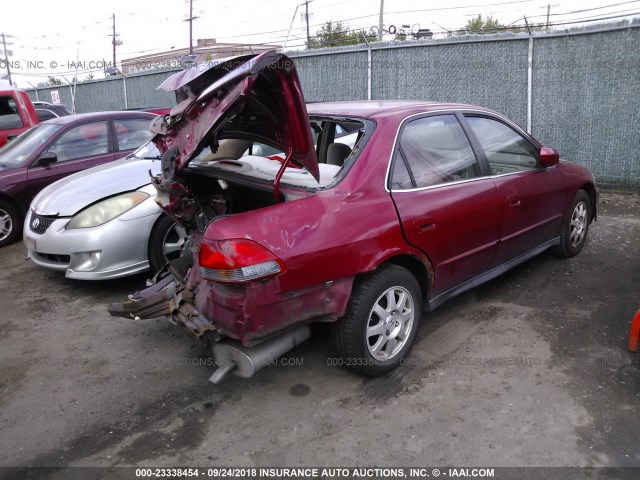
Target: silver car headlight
(106, 210)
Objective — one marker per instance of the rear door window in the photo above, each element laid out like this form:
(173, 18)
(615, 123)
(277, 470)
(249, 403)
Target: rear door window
(401, 180)
(82, 141)
(436, 151)
(132, 132)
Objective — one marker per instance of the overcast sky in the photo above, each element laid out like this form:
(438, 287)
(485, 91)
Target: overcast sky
(52, 35)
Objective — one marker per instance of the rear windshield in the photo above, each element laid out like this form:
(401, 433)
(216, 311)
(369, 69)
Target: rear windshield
(334, 142)
(9, 114)
(17, 151)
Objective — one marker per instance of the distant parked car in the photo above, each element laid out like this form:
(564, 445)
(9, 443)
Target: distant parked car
(103, 223)
(57, 148)
(47, 112)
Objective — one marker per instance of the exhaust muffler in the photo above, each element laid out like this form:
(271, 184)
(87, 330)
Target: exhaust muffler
(232, 356)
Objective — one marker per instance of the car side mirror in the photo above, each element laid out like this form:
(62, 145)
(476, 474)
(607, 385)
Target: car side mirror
(47, 158)
(549, 156)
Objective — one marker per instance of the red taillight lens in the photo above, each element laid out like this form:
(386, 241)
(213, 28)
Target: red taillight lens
(237, 260)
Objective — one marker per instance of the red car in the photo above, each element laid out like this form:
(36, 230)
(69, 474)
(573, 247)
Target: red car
(363, 214)
(17, 114)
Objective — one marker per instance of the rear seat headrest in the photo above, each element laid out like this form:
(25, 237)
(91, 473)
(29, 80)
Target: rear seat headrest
(337, 153)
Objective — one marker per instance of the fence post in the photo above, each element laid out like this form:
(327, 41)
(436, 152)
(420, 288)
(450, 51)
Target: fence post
(529, 84)
(369, 65)
(36, 90)
(124, 84)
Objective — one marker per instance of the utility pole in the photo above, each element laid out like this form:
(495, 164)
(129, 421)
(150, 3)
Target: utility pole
(190, 20)
(6, 56)
(306, 17)
(380, 20)
(548, 13)
(114, 39)
(548, 7)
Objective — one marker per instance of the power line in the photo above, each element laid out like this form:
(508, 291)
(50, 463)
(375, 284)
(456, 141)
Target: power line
(628, 11)
(502, 29)
(276, 39)
(389, 13)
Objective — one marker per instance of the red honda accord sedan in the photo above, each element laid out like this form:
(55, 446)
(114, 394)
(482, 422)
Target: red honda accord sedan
(363, 214)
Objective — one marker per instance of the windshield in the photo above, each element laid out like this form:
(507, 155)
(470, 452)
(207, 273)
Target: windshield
(17, 151)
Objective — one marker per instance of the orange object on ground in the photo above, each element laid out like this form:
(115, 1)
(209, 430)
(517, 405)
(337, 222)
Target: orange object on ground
(634, 334)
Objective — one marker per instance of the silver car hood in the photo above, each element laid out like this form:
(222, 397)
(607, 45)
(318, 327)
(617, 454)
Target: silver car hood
(68, 196)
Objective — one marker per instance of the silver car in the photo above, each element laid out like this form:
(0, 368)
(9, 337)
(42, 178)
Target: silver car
(103, 223)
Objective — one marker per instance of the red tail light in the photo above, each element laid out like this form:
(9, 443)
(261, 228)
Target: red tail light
(237, 260)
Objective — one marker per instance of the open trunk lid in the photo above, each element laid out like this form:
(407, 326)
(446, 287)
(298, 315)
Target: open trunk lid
(255, 97)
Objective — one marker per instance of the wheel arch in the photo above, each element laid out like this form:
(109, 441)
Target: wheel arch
(15, 203)
(591, 191)
(419, 266)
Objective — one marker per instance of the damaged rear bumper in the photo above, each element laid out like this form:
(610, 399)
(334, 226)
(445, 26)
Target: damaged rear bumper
(253, 323)
(249, 313)
(168, 298)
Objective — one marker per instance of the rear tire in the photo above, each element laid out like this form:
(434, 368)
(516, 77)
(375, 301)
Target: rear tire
(574, 231)
(10, 223)
(165, 242)
(381, 322)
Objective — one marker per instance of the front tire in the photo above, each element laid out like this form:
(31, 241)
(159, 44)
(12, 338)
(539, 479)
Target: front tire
(166, 242)
(381, 323)
(10, 223)
(574, 231)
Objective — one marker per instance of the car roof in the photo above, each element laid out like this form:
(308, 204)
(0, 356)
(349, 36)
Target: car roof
(84, 117)
(51, 106)
(378, 108)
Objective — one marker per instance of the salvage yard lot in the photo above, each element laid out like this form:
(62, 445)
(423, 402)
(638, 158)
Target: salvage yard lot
(528, 369)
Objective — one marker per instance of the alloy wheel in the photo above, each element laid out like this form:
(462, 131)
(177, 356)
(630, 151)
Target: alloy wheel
(6, 224)
(390, 323)
(173, 242)
(578, 224)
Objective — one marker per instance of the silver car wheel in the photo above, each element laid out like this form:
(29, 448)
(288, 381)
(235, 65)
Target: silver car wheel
(173, 242)
(578, 224)
(6, 224)
(390, 322)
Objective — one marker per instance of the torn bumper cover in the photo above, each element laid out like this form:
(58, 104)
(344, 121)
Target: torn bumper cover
(165, 298)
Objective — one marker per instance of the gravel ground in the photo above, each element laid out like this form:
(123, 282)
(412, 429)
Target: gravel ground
(530, 369)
